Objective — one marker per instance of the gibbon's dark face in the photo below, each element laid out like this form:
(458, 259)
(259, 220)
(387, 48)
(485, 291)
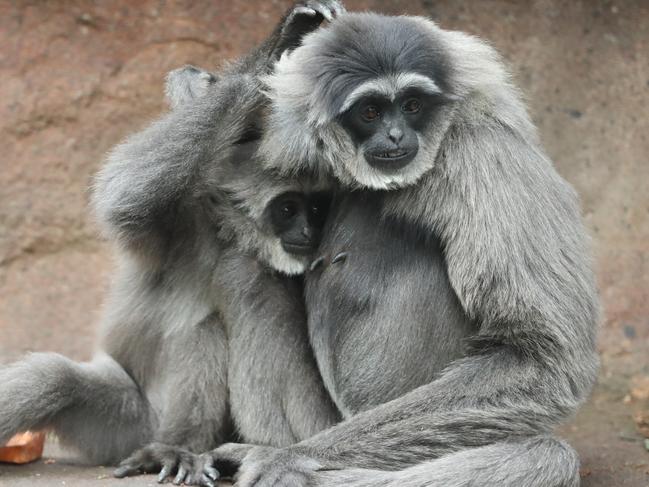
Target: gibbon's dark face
(386, 130)
(297, 219)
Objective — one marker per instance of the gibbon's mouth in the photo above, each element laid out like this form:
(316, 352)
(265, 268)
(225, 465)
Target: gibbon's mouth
(298, 248)
(391, 160)
(393, 154)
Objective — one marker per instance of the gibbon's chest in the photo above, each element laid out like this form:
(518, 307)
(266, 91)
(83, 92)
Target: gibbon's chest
(383, 318)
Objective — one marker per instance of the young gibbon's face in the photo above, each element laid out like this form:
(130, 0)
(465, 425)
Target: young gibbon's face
(297, 220)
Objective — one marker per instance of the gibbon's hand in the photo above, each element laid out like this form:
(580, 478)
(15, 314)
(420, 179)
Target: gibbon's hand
(305, 18)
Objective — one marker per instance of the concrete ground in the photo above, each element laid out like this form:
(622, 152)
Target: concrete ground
(59, 468)
(77, 76)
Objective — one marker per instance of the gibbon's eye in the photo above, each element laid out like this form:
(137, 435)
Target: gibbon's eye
(251, 134)
(288, 209)
(318, 207)
(318, 214)
(370, 113)
(411, 106)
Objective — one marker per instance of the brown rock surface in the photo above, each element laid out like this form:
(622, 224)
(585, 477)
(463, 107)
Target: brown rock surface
(77, 76)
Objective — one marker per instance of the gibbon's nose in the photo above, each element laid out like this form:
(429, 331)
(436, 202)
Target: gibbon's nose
(396, 135)
(307, 233)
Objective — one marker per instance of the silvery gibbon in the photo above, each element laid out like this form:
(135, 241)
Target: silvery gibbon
(205, 319)
(452, 309)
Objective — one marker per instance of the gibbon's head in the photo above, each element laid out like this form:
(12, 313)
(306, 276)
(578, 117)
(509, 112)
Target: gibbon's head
(278, 219)
(371, 97)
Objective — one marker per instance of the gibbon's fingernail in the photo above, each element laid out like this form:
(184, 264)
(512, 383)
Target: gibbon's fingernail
(341, 257)
(316, 263)
(305, 11)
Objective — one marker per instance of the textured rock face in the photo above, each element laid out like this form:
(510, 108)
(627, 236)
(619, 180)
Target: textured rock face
(79, 76)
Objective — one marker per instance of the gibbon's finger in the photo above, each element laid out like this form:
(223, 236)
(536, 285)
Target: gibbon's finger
(126, 471)
(338, 8)
(165, 473)
(211, 472)
(305, 11)
(204, 481)
(325, 11)
(180, 476)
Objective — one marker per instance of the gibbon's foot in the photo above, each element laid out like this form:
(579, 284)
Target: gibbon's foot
(170, 462)
(222, 462)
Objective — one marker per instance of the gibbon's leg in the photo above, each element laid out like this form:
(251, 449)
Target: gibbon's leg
(94, 407)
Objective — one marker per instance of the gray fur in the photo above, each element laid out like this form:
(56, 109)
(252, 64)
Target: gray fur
(186, 84)
(502, 274)
(47, 389)
(540, 462)
(200, 333)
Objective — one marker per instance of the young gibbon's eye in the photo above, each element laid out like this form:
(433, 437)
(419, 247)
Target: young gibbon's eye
(289, 209)
(413, 105)
(370, 113)
(319, 204)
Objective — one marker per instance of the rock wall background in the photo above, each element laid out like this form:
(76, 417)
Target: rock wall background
(78, 76)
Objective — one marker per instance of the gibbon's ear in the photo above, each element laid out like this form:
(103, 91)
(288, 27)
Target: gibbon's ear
(187, 83)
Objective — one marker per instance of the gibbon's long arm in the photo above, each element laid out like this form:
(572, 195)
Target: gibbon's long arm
(141, 190)
(144, 192)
